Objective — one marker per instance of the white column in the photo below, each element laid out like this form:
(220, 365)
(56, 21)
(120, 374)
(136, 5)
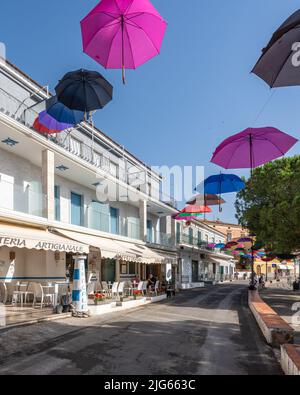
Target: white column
(143, 219)
(79, 294)
(48, 178)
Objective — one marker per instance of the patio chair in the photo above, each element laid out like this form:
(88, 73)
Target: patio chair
(3, 293)
(121, 289)
(114, 290)
(105, 288)
(91, 288)
(145, 287)
(44, 299)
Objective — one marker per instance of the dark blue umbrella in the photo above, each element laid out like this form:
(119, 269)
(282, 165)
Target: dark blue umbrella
(61, 113)
(223, 183)
(84, 90)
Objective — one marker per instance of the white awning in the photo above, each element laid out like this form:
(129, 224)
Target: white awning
(115, 249)
(286, 267)
(15, 236)
(221, 262)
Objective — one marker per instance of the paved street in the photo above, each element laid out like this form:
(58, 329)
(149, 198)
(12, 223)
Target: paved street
(207, 331)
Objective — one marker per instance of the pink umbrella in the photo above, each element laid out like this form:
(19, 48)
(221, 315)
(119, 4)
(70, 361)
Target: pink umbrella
(252, 148)
(123, 34)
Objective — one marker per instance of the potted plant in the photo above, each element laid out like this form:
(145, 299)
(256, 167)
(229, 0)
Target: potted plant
(136, 294)
(99, 298)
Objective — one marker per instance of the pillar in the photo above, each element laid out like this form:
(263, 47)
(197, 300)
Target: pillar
(143, 220)
(118, 276)
(48, 181)
(79, 294)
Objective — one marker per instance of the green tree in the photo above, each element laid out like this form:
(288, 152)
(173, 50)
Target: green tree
(270, 205)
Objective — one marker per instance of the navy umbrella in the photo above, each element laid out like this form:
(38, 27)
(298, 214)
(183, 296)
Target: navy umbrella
(61, 113)
(279, 64)
(84, 90)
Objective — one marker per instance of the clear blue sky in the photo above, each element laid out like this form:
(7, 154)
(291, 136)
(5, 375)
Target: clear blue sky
(179, 106)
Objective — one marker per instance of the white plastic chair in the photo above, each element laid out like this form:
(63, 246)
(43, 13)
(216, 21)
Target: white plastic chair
(114, 290)
(121, 288)
(91, 288)
(44, 299)
(3, 293)
(145, 287)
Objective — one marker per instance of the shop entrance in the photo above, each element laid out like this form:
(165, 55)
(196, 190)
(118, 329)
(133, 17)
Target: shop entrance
(195, 271)
(108, 270)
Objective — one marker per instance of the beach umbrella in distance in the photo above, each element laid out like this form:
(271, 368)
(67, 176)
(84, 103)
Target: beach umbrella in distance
(61, 113)
(197, 209)
(279, 64)
(84, 90)
(51, 123)
(206, 200)
(43, 129)
(252, 147)
(123, 34)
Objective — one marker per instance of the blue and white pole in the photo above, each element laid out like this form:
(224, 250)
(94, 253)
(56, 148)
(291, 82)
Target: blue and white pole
(79, 294)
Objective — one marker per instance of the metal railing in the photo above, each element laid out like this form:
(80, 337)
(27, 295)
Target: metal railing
(159, 238)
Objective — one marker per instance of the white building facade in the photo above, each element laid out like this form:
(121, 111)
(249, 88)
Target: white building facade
(51, 191)
(199, 262)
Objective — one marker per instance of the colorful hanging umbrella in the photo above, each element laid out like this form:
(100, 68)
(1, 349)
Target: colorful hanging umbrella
(51, 123)
(84, 90)
(211, 245)
(189, 218)
(123, 34)
(220, 246)
(206, 200)
(197, 209)
(63, 114)
(279, 64)
(223, 183)
(231, 244)
(184, 215)
(252, 148)
(42, 129)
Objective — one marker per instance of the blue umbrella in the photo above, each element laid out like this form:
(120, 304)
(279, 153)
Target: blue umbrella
(220, 245)
(63, 114)
(223, 183)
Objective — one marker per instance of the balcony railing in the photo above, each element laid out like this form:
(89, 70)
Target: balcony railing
(26, 198)
(195, 242)
(159, 238)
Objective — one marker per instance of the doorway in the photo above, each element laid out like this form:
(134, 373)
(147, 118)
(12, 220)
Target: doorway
(195, 271)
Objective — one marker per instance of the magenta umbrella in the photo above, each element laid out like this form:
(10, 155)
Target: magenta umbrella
(123, 34)
(252, 148)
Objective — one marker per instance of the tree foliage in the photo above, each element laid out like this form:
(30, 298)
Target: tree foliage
(270, 205)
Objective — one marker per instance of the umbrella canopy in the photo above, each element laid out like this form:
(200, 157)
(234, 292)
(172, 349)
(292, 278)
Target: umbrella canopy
(245, 240)
(279, 63)
(184, 215)
(220, 245)
(207, 200)
(84, 90)
(197, 209)
(252, 148)
(51, 123)
(63, 114)
(42, 129)
(231, 244)
(223, 183)
(211, 245)
(187, 218)
(123, 34)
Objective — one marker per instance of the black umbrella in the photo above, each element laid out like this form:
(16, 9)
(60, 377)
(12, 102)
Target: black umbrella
(279, 64)
(84, 90)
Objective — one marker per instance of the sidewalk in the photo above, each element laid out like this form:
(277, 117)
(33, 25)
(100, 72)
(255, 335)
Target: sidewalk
(281, 298)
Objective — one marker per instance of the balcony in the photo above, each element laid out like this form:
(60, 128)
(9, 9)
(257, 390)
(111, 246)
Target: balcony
(161, 239)
(195, 242)
(26, 198)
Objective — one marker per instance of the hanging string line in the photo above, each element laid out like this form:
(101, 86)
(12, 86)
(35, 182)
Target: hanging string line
(265, 105)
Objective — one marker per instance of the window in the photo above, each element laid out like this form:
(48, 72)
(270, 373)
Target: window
(114, 221)
(149, 231)
(199, 237)
(75, 146)
(57, 202)
(76, 209)
(229, 236)
(98, 214)
(178, 232)
(191, 236)
(114, 169)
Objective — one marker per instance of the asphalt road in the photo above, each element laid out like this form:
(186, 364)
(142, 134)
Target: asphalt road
(200, 332)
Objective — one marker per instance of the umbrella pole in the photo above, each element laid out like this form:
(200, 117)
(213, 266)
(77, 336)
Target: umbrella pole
(123, 55)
